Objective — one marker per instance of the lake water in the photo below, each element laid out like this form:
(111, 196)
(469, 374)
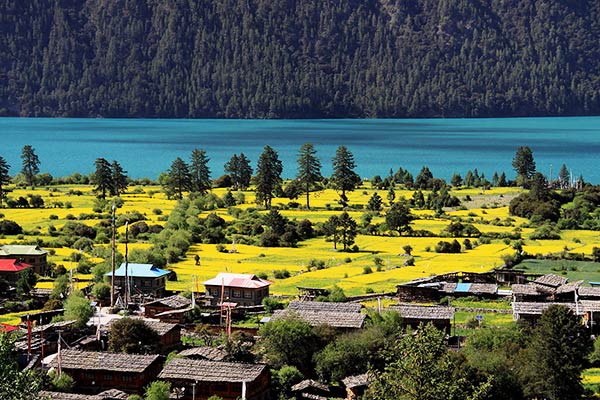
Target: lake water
(146, 147)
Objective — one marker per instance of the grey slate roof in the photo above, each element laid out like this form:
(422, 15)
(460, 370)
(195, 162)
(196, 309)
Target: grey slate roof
(525, 289)
(97, 361)
(175, 301)
(536, 308)
(324, 306)
(112, 394)
(334, 319)
(210, 371)
(411, 311)
(206, 352)
(21, 250)
(551, 280)
(356, 380)
(310, 383)
(586, 291)
(568, 287)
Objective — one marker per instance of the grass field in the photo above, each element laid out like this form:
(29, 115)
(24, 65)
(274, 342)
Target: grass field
(574, 270)
(488, 211)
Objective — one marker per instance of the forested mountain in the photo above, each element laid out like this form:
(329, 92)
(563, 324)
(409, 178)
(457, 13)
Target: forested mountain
(299, 58)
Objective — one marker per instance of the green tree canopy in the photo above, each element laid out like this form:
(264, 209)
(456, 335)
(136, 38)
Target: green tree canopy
(133, 336)
(15, 384)
(102, 177)
(309, 168)
(78, 308)
(200, 171)
(4, 178)
(398, 217)
(268, 176)
(179, 178)
(344, 178)
(30, 163)
(524, 164)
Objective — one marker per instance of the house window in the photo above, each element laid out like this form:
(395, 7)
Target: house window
(226, 292)
(237, 293)
(108, 377)
(126, 378)
(214, 292)
(247, 294)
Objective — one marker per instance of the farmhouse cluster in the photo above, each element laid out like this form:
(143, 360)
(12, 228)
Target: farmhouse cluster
(198, 370)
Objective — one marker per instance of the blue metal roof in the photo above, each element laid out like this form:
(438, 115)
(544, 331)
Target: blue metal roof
(462, 287)
(140, 271)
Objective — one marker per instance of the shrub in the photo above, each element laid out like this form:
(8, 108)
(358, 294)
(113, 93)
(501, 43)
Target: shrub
(367, 270)
(270, 304)
(157, 211)
(447, 247)
(8, 227)
(369, 290)
(281, 273)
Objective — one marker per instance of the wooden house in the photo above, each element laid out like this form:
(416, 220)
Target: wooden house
(29, 254)
(202, 379)
(204, 353)
(144, 279)
(342, 316)
(112, 394)
(313, 390)
(165, 304)
(243, 289)
(11, 269)
(356, 385)
(94, 372)
(414, 315)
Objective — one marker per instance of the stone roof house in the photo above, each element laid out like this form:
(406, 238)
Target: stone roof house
(230, 381)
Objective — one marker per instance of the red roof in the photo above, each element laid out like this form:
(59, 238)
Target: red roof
(12, 265)
(248, 281)
(6, 328)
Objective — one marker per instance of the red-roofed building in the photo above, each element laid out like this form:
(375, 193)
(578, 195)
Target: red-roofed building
(10, 269)
(243, 289)
(6, 328)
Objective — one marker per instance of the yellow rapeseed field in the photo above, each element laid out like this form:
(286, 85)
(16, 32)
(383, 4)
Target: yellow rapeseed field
(488, 211)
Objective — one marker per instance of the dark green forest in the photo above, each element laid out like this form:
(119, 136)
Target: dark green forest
(299, 58)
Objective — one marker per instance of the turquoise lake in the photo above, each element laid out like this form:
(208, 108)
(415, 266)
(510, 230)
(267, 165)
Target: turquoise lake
(146, 147)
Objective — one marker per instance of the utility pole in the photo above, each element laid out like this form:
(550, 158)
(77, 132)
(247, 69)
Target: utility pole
(126, 265)
(112, 260)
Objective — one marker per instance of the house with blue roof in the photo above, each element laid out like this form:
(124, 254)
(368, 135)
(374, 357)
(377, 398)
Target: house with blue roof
(144, 279)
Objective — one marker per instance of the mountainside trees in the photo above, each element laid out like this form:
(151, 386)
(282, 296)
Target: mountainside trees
(271, 58)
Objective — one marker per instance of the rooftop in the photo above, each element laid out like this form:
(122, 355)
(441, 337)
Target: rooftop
(551, 280)
(474, 288)
(411, 311)
(331, 318)
(323, 306)
(12, 265)
(158, 326)
(112, 394)
(21, 250)
(96, 361)
(206, 352)
(248, 281)
(211, 371)
(175, 301)
(140, 271)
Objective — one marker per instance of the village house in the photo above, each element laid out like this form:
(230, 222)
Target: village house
(356, 385)
(202, 379)
(112, 394)
(204, 353)
(414, 315)
(29, 254)
(166, 304)
(310, 389)
(342, 316)
(11, 269)
(144, 279)
(94, 372)
(243, 289)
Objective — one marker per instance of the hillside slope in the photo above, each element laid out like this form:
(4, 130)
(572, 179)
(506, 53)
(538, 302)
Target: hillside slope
(299, 59)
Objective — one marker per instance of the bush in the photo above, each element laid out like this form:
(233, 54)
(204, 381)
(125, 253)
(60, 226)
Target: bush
(281, 274)
(367, 270)
(369, 290)
(157, 211)
(8, 227)
(270, 304)
(447, 247)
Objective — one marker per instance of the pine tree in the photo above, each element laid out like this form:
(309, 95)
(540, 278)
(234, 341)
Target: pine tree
(268, 176)
(238, 167)
(4, 178)
(200, 171)
(180, 178)
(523, 164)
(564, 178)
(31, 164)
(102, 178)
(309, 169)
(344, 178)
(347, 230)
(120, 181)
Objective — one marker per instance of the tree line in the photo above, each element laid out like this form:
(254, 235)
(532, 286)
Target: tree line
(299, 59)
